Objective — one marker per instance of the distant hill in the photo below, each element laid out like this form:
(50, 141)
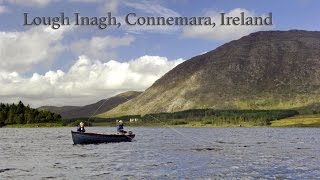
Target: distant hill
(92, 109)
(264, 70)
(59, 110)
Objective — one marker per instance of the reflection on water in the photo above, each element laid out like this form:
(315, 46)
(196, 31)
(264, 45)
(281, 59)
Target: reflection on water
(163, 153)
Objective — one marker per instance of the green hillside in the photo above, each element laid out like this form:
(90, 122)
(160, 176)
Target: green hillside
(264, 70)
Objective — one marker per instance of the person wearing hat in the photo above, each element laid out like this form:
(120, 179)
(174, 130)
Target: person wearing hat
(81, 127)
(120, 128)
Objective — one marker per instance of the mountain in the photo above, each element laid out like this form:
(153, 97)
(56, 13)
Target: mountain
(92, 109)
(264, 70)
(59, 110)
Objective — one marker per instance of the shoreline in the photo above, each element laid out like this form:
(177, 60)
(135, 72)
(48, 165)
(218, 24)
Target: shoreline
(205, 127)
(156, 126)
(35, 125)
(299, 121)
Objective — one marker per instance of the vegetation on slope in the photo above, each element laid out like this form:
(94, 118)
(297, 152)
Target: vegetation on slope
(205, 117)
(264, 70)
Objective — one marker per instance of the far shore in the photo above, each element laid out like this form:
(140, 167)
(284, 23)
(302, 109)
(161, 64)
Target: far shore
(295, 121)
(35, 125)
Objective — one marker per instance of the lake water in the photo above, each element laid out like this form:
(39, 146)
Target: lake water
(163, 153)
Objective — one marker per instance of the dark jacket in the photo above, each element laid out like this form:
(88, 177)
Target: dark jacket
(81, 129)
(120, 127)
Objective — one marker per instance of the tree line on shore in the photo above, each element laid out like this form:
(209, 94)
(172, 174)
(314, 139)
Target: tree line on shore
(21, 114)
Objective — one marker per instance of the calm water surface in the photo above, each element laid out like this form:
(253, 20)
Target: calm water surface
(163, 153)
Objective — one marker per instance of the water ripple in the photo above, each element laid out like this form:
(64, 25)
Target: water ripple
(160, 153)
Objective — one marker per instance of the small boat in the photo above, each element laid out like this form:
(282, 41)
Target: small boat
(93, 138)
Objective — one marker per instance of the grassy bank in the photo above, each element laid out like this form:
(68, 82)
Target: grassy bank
(298, 121)
(34, 125)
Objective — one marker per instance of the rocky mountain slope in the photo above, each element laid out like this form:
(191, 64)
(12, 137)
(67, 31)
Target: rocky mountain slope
(264, 70)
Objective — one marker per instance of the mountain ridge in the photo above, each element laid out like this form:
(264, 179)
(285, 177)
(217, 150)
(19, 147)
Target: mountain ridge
(89, 110)
(264, 70)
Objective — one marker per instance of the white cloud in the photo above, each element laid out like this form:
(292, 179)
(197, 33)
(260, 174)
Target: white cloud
(85, 82)
(223, 33)
(104, 6)
(86, 1)
(38, 3)
(150, 9)
(100, 47)
(111, 6)
(21, 50)
(3, 9)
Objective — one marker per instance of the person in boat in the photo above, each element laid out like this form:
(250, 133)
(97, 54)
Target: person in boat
(120, 128)
(81, 127)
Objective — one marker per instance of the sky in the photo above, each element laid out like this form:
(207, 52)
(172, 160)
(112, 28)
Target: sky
(79, 65)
